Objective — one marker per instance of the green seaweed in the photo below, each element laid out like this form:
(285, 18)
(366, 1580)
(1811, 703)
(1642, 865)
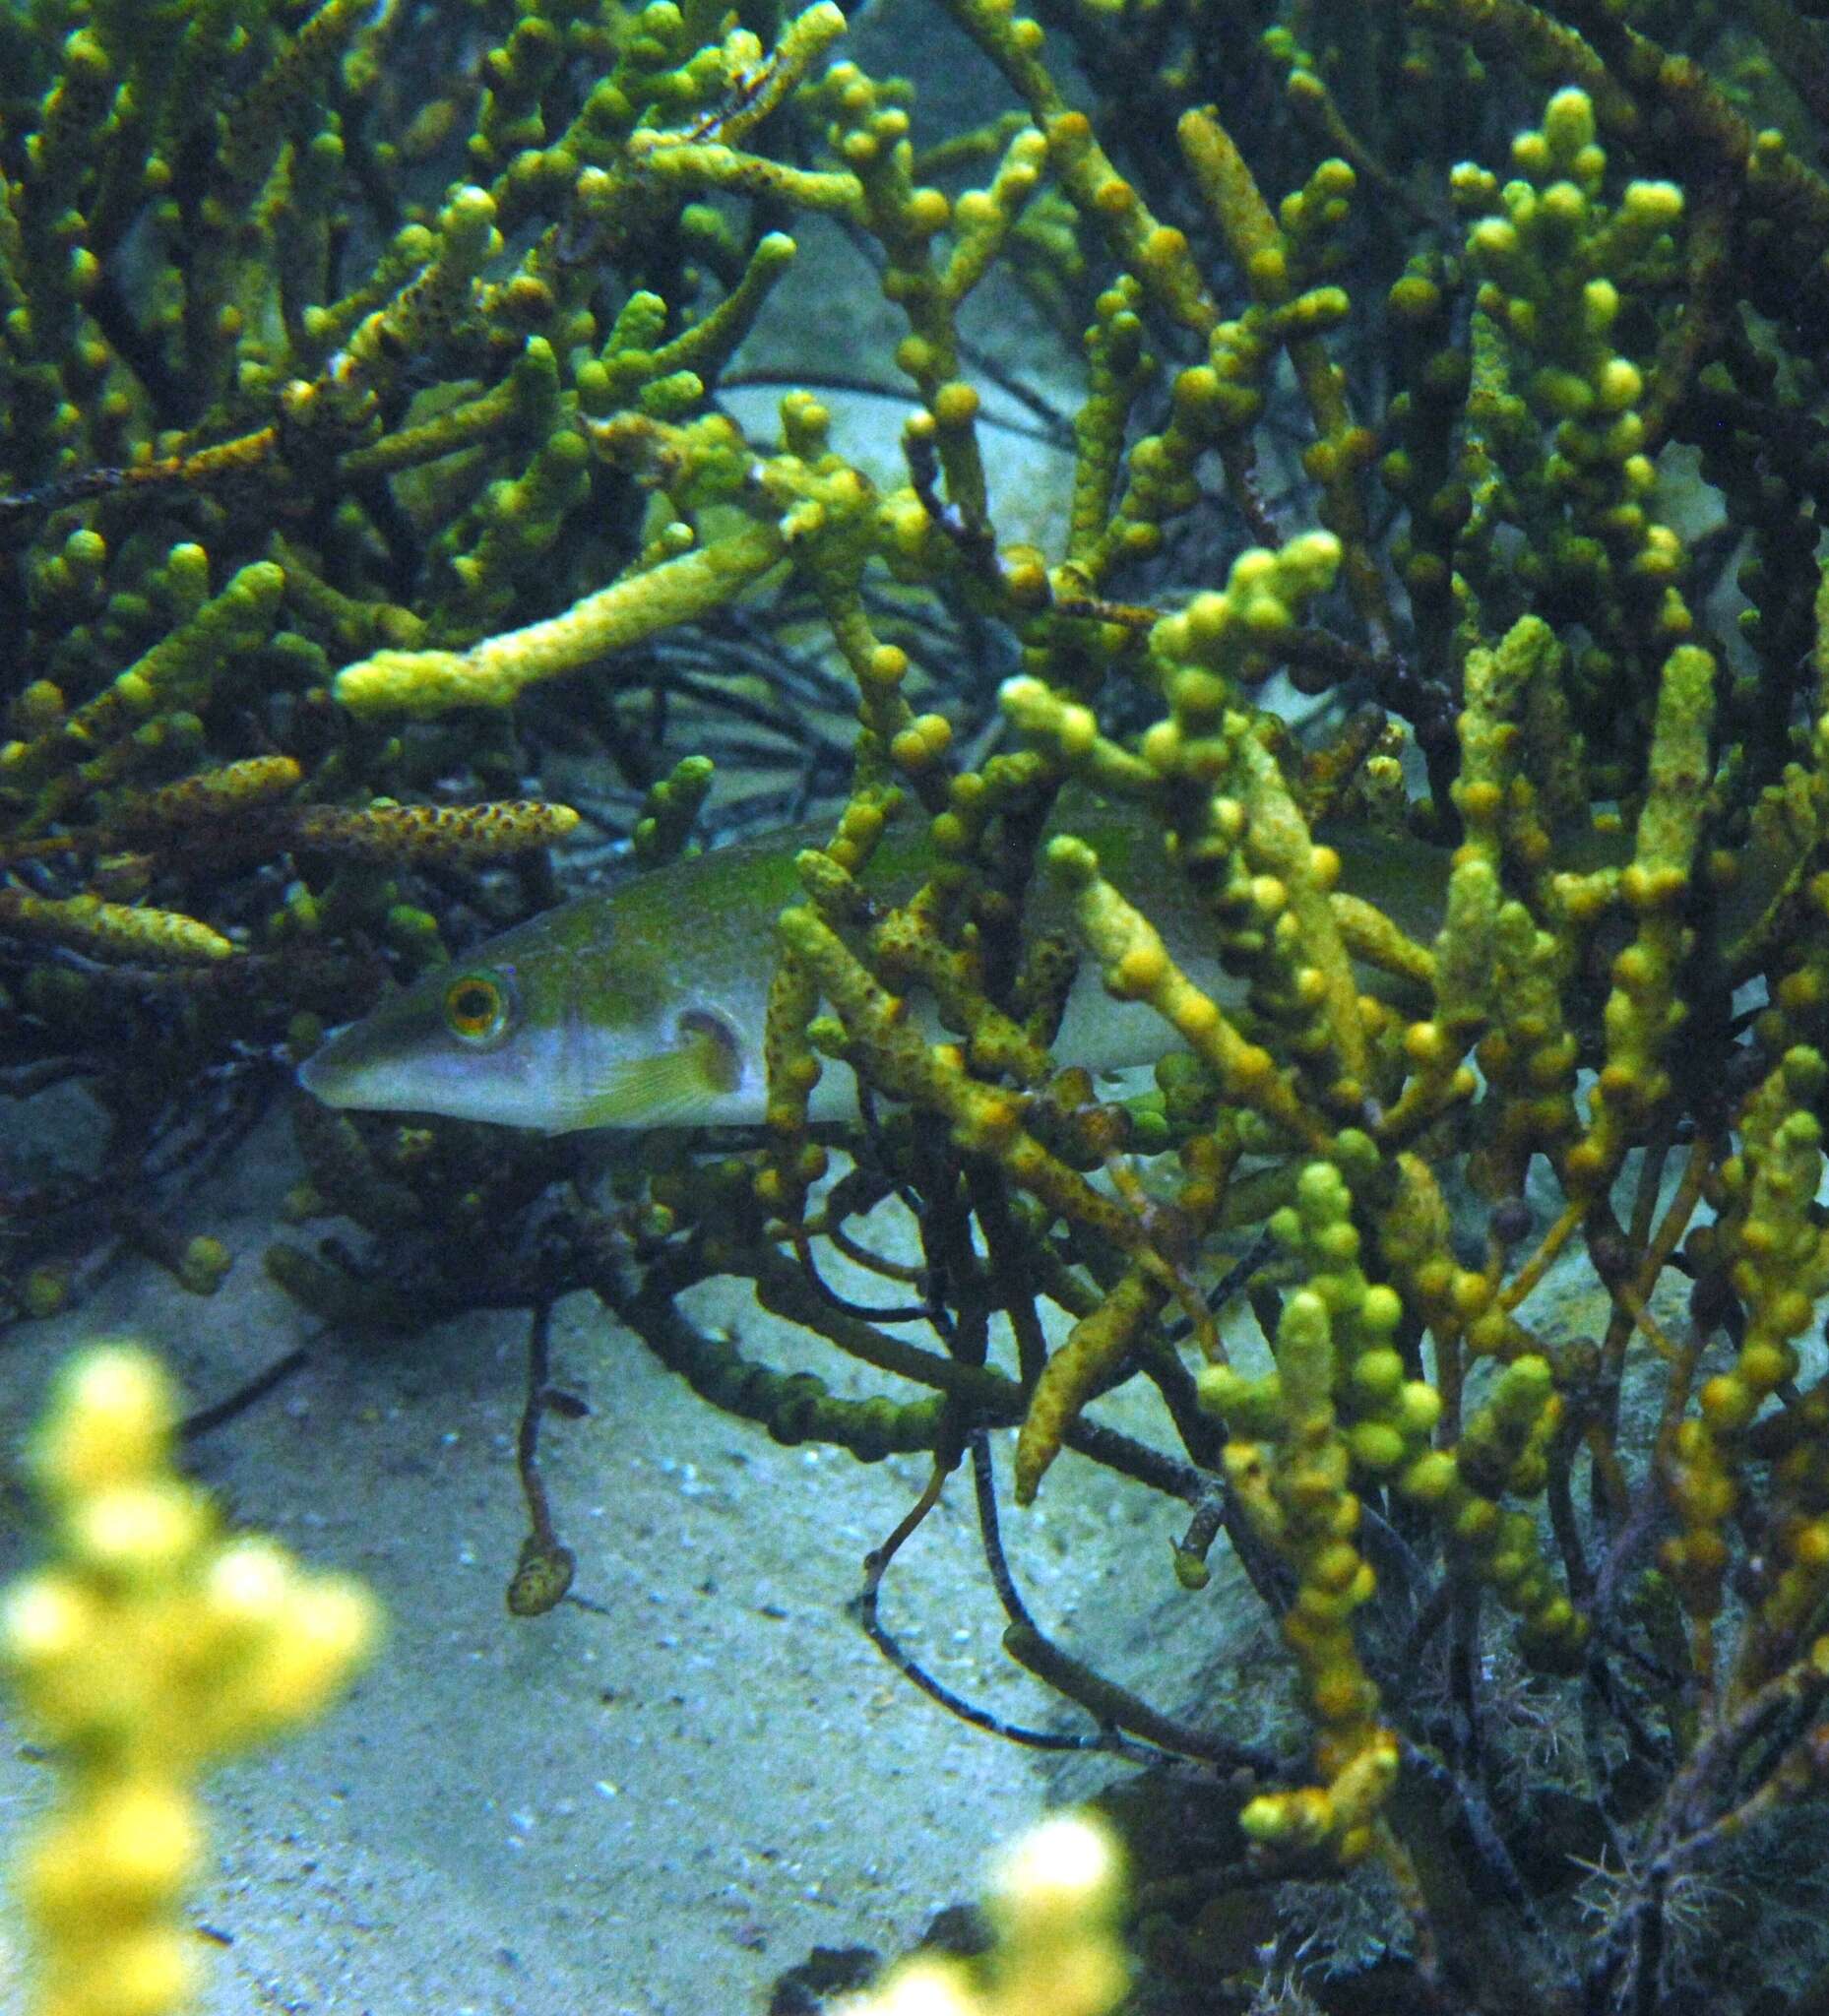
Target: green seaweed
(1446, 462)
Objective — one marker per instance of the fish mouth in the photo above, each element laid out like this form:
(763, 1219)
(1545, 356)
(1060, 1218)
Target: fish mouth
(322, 1075)
(347, 1069)
(361, 1069)
(341, 1074)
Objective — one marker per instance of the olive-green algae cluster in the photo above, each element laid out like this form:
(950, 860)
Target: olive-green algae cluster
(306, 317)
(1456, 362)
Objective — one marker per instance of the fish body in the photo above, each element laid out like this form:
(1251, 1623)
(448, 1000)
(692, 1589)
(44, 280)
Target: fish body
(643, 1005)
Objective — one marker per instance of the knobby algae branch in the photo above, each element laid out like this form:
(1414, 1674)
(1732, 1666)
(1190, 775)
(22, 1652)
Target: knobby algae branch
(150, 1646)
(1054, 1907)
(1382, 1397)
(1453, 367)
(309, 314)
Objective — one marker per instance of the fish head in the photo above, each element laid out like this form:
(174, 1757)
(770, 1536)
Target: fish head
(564, 1022)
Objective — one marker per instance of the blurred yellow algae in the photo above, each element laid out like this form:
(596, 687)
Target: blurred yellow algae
(151, 1645)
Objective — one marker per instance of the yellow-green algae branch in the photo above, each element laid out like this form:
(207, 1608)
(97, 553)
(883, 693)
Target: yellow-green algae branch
(494, 673)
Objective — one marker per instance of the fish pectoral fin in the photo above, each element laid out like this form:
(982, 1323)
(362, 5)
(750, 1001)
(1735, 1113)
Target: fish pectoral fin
(671, 1088)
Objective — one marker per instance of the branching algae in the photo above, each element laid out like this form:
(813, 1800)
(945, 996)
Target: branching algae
(1452, 363)
(151, 1645)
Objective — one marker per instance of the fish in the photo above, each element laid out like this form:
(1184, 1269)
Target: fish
(643, 1005)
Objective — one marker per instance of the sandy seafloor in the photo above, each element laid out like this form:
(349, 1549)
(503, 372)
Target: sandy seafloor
(656, 1807)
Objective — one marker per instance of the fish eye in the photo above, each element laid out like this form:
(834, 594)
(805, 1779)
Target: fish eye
(479, 1007)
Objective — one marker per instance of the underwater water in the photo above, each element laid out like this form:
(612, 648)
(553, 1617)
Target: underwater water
(1289, 526)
